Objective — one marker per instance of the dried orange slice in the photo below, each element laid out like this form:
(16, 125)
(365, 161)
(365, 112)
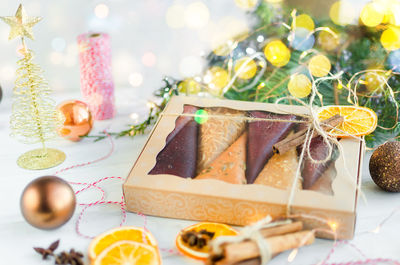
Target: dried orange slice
(128, 253)
(130, 233)
(193, 240)
(358, 121)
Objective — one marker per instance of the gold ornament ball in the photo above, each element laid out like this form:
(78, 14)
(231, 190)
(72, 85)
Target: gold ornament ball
(299, 86)
(390, 39)
(48, 202)
(277, 53)
(384, 166)
(319, 65)
(189, 86)
(372, 15)
(78, 120)
(249, 68)
(327, 41)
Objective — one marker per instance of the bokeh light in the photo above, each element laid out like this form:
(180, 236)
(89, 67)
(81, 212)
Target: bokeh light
(245, 68)
(175, 16)
(216, 78)
(299, 86)
(149, 59)
(190, 66)
(56, 58)
(201, 116)
(135, 79)
(58, 44)
(390, 38)
(327, 41)
(101, 11)
(196, 15)
(343, 13)
(372, 14)
(246, 4)
(189, 86)
(319, 65)
(277, 53)
(304, 21)
(303, 40)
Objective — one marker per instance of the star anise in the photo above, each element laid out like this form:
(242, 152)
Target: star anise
(198, 239)
(45, 252)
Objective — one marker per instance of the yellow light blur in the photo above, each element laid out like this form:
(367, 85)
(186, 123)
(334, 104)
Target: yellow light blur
(299, 86)
(249, 68)
(390, 38)
(175, 16)
(304, 21)
(197, 15)
(189, 86)
(327, 41)
(218, 79)
(246, 4)
(319, 65)
(277, 53)
(372, 15)
(343, 13)
(333, 225)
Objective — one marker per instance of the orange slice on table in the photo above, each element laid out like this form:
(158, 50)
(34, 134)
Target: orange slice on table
(193, 250)
(358, 121)
(129, 233)
(128, 253)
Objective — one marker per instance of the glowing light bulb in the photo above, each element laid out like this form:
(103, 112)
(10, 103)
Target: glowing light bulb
(248, 68)
(304, 21)
(277, 53)
(343, 13)
(201, 116)
(319, 65)
(333, 225)
(299, 86)
(135, 79)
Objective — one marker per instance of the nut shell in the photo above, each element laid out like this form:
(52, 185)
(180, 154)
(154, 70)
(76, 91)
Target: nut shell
(384, 166)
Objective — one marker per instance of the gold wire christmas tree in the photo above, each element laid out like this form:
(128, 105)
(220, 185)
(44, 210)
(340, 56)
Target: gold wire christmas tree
(34, 117)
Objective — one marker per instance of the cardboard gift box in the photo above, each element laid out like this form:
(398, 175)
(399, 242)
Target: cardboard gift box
(167, 195)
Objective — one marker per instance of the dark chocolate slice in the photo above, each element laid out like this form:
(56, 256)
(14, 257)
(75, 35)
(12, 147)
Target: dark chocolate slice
(261, 137)
(179, 156)
(182, 121)
(311, 171)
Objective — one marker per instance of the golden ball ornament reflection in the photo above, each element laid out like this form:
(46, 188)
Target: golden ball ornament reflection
(277, 53)
(48, 202)
(78, 119)
(247, 67)
(319, 65)
(299, 86)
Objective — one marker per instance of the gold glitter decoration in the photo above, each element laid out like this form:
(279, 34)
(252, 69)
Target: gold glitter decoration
(41, 158)
(34, 117)
(21, 24)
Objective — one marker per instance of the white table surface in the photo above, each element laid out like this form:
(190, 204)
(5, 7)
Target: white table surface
(17, 237)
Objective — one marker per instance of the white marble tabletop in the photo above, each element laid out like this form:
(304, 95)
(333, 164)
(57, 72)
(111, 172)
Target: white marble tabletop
(17, 237)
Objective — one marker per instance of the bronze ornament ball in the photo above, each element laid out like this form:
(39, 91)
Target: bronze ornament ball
(48, 202)
(384, 166)
(78, 120)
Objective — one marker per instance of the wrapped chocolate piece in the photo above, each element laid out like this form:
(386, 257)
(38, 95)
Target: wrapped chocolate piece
(262, 135)
(312, 171)
(280, 171)
(180, 153)
(217, 134)
(230, 165)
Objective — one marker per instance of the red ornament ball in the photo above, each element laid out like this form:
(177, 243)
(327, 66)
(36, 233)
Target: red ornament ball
(384, 166)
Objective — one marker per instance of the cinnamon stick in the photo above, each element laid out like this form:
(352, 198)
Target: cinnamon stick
(236, 253)
(298, 138)
(282, 229)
